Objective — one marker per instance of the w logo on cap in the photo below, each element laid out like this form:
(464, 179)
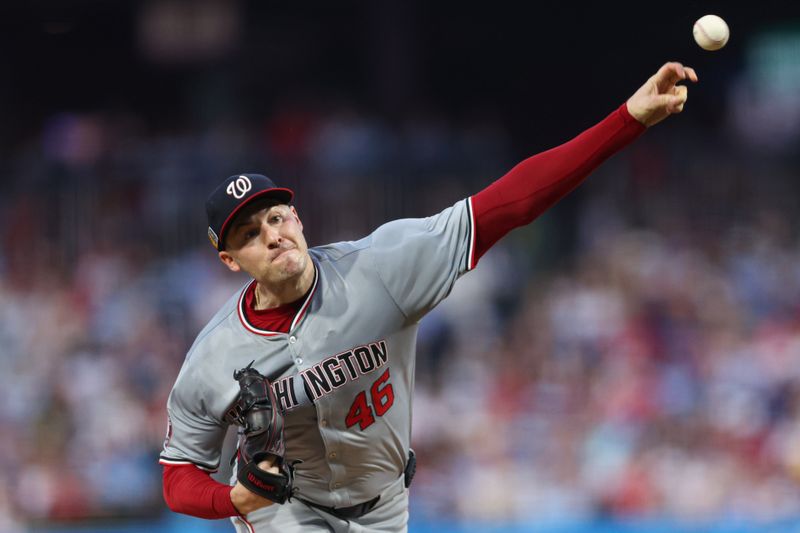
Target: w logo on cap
(239, 187)
(234, 194)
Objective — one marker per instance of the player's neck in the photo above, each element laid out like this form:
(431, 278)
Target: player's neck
(271, 296)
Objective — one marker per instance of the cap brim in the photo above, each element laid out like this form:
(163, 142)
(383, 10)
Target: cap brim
(281, 194)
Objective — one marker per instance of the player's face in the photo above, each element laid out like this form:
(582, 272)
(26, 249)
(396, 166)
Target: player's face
(267, 242)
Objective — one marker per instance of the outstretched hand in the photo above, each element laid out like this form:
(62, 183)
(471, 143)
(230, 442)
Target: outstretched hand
(661, 95)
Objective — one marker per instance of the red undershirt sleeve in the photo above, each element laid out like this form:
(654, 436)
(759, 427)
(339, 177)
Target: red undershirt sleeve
(537, 183)
(189, 490)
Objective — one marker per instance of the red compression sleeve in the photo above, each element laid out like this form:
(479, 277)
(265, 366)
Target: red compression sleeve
(189, 490)
(540, 181)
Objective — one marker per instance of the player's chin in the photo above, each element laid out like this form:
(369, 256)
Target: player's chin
(290, 264)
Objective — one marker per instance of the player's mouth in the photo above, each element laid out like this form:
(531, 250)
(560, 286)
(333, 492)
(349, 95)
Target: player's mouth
(282, 252)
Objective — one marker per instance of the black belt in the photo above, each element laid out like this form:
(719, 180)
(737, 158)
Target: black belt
(346, 513)
(359, 510)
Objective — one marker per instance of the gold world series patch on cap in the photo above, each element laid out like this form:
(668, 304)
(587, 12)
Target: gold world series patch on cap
(213, 238)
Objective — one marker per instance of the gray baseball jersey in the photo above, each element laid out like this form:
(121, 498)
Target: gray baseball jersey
(344, 374)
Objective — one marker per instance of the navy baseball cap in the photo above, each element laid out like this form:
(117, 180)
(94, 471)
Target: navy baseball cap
(232, 195)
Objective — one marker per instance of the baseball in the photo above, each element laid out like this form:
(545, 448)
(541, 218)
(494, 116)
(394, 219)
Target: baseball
(711, 32)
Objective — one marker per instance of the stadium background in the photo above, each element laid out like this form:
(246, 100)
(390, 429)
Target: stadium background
(629, 362)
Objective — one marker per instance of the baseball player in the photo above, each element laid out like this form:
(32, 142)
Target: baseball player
(314, 358)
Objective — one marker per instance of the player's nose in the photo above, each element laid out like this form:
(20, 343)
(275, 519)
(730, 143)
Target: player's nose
(270, 234)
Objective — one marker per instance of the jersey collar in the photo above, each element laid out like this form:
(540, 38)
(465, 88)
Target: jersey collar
(297, 318)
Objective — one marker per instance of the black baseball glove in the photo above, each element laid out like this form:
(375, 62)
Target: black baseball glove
(261, 437)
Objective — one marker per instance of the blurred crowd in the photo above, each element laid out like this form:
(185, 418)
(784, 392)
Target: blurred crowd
(652, 379)
(654, 373)
(635, 353)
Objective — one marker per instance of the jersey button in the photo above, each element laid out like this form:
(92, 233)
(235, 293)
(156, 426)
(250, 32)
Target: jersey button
(299, 360)
(292, 339)
(323, 423)
(337, 485)
(332, 455)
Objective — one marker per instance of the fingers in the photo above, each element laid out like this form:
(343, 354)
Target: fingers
(661, 95)
(268, 465)
(680, 93)
(669, 73)
(673, 101)
(672, 72)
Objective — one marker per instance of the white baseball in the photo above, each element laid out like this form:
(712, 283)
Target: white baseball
(711, 32)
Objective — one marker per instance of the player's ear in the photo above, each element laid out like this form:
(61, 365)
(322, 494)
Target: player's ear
(228, 260)
(296, 216)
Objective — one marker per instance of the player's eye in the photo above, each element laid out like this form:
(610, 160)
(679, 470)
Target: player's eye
(276, 219)
(251, 234)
